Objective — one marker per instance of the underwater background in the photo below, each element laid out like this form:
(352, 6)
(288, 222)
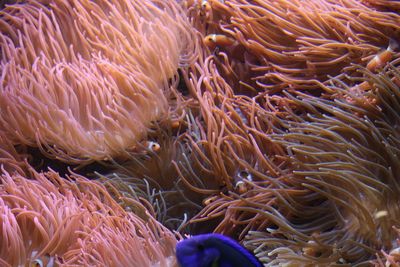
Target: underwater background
(128, 126)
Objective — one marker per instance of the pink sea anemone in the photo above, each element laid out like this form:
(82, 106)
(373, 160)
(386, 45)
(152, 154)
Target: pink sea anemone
(76, 222)
(85, 80)
(10, 159)
(286, 145)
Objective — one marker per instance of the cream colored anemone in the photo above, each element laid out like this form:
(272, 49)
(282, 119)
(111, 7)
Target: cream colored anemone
(83, 79)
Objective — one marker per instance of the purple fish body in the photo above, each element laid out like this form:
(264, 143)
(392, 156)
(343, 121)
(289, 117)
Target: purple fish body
(213, 250)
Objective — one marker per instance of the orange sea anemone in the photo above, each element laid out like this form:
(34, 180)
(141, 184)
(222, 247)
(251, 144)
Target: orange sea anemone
(84, 80)
(346, 166)
(282, 44)
(333, 199)
(231, 155)
(300, 179)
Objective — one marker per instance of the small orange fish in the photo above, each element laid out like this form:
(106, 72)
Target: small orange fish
(152, 146)
(205, 7)
(43, 261)
(383, 57)
(240, 185)
(175, 124)
(213, 40)
(37, 263)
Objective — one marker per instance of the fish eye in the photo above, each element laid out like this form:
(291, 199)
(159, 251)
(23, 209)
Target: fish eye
(153, 146)
(37, 263)
(204, 4)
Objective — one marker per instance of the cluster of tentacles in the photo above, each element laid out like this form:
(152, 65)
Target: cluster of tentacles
(273, 122)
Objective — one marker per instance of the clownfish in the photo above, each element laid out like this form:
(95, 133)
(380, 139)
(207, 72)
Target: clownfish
(144, 148)
(205, 6)
(44, 261)
(213, 250)
(37, 263)
(152, 146)
(383, 57)
(240, 185)
(175, 124)
(213, 40)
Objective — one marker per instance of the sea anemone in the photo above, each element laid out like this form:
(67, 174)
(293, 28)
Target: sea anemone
(300, 179)
(154, 178)
(75, 221)
(12, 160)
(347, 167)
(276, 45)
(280, 130)
(84, 80)
(231, 156)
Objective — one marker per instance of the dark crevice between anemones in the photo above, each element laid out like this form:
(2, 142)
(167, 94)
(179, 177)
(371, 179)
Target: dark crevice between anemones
(182, 87)
(41, 163)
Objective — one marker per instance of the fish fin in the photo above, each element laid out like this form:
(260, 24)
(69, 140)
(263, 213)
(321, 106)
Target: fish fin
(393, 45)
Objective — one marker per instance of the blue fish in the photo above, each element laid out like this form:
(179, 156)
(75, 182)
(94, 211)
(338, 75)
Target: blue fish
(213, 250)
